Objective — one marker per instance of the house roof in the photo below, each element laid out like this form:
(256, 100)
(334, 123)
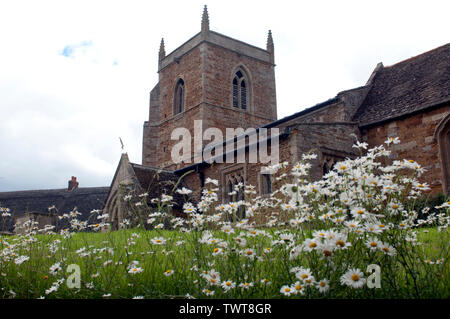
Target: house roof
(407, 87)
(157, 181)
(85, 199)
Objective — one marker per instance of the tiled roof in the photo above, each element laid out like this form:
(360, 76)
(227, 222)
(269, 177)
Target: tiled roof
(84, 199)
(157, 182)
(407, 87)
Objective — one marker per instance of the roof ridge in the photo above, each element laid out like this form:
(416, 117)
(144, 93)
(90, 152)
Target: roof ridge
(408, 60)
(407, 87)
(150, 168)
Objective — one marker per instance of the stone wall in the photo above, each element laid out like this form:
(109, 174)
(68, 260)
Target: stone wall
(207, 63)
(416, 134)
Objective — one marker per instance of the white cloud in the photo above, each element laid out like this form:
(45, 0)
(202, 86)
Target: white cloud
(62, 115)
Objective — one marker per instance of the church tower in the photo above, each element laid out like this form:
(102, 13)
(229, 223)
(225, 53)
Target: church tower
(221, 81)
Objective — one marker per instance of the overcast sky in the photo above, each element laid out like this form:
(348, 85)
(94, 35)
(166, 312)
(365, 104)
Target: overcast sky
(76, 75)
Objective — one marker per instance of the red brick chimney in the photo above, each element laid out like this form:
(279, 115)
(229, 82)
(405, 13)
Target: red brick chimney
(73, 183)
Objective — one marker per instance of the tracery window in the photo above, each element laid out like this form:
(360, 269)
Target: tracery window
(179, 97)
(240, 90)
(266, 184)
(442, 136)
(235, 184)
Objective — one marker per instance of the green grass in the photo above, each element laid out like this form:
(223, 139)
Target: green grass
(32, 278)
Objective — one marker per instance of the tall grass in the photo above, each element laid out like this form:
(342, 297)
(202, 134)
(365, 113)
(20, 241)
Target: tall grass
(306, 240)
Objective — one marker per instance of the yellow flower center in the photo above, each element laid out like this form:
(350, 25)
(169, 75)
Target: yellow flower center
(304, 276)
(249, 252)
(360, 212)
(298, 287)
(312, 245)
(322, 284)
(216, 250)
(340, 243)
(228, 283)
(386, 249)
(355, 277)
(373, 244)
(287, 289)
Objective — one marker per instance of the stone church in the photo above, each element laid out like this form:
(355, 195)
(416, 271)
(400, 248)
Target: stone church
(227, 83)
(220, 82)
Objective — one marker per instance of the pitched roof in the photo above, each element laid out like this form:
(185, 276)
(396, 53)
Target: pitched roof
(85, 199)
(407, 87)
(158, 181)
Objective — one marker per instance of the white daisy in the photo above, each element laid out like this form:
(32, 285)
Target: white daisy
(168, 272)
(373, 244)
(158, 241)
(228, 284)
(353, 278)
(208, 292)
(246, 285)
(298, 288)
(184, 191)
(323, 285)
(286, 290)
(135, 270)
(388, 249)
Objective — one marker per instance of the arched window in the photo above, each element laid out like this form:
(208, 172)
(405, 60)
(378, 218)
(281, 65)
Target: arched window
(235, 192)
(179, 97)
(230, 191)
(442, 136)
(240, 95)
(266, 184)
